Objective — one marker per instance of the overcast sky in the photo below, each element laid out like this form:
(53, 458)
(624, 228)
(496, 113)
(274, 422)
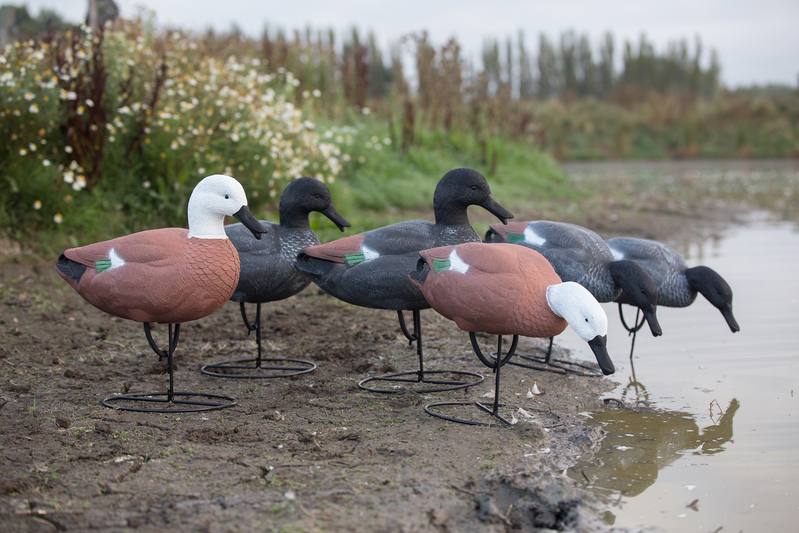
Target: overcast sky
(758, 41)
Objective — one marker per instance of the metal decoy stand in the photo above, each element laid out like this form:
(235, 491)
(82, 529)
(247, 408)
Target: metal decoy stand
(420, 381)
(169, 401)
(632, 330)
(547, 363)
(258, 367)
(495, 362)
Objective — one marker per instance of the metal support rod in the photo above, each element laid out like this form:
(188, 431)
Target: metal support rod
(258, 333)
(408, 335)
(417, 333)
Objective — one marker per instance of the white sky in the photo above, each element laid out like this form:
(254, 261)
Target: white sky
(758, 41)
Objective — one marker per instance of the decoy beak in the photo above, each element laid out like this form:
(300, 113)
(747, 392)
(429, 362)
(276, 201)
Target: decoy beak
(249, 221)
(599, 345)
(652, 319)
(334, 217)
(728, 316)
(493, 207)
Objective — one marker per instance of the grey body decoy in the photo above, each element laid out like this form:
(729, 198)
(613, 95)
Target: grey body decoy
(269, 272)
(372, 269)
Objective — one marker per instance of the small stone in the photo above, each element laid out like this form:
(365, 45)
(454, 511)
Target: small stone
(103, 428)
(63, 422)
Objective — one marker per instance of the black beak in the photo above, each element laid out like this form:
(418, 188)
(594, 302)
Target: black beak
(493, 207)
(599, 345)
(337, 219)
(652, 319)
(728, 316)
(249, 221)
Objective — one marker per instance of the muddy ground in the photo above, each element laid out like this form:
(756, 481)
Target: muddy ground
(309, 453)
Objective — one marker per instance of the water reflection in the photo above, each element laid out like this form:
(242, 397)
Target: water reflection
(642, 441)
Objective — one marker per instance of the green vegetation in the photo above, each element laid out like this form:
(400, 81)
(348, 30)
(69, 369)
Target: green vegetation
(107, 131)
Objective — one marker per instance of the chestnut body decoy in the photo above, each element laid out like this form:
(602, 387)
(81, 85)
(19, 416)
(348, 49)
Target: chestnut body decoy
(504, 289)
(371, 270)
(269, 273)
(166, 276)
(581, 255)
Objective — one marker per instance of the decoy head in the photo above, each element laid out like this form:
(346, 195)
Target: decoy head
(712, 286)
(639, 289)
(462, 187)
(214, 198)
(572, 302)
(304, 195)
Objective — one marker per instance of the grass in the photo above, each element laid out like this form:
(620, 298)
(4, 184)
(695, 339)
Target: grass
(391, 186)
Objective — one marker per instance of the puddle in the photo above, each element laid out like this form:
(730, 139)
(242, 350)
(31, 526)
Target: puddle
(714, 440)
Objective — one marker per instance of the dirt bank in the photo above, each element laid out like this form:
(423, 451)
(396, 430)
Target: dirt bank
(308, 453)
(313, 452)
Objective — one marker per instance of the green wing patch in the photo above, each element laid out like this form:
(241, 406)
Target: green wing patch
(102, 265)
(515, 238)
(440, 265)
(355, 258)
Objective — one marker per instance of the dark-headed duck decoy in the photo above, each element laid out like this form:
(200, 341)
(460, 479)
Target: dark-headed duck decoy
(167, 276)
(371, 269)
(677, 284)
(269, 273)
(580, 255)
(502, 289)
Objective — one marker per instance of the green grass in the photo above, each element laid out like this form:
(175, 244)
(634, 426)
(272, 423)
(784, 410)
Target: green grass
(392, 186)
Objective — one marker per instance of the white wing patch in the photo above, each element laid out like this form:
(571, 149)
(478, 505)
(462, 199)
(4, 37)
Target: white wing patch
(617, 255)
(531, 237)
(456, 263)
(116, 261)
(369, 254)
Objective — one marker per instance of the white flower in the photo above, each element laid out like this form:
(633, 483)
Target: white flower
(58, 218)
(46, 162)
(89, 102)
(316, 93)
(68, 149)
(23, 151)
(145, 184)
(37, 204)
(80, 183)
(69, 176)
(28, 96)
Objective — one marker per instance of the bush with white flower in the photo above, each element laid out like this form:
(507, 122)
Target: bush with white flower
(124, 122)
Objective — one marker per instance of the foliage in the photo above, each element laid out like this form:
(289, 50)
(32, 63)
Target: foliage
(125, 121)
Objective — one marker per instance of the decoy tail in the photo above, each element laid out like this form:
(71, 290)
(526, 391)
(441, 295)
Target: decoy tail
(491, 236)
(70, 270)
(313, 267)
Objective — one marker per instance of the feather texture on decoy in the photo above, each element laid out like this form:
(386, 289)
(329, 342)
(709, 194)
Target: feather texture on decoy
(371, 269)
(677, 284)
(580, 255)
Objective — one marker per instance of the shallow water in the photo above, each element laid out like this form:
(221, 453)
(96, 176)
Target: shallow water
(714, 437)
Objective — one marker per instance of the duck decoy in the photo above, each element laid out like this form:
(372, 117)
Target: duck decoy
(166, 276)
(580, 255)
(268, 273)
(504, 289)
(371, 270)
(676, 283)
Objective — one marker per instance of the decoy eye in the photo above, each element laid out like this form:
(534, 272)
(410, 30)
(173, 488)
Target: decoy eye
(586, 320)
(227, 197)
(475, 187)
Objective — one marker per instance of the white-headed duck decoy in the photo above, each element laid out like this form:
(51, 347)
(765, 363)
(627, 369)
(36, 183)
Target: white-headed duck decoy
(580, 255)
(503, 289)
(167, 276)
(371, 270)
(677, 284)
(269, 273)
